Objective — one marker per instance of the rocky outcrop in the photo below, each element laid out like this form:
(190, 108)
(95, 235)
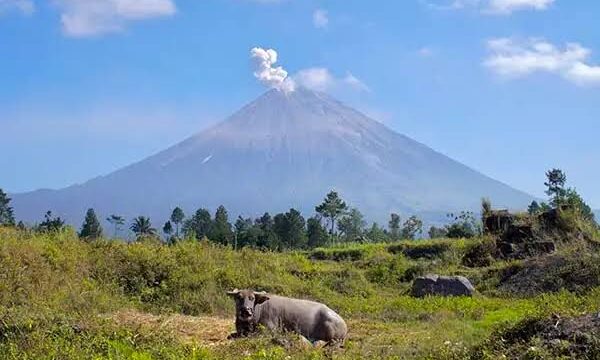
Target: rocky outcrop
(435, 285)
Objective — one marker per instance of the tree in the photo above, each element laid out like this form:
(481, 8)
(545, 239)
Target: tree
(575, 201)
(464, 225)
(177, 217)
(290, 229)
(437, 232)
(91, 228)
(411, 228)
(199, 225)
(267, 237)
(246, 232)
(116, 221)
(332, 208)
(168, 229)
(352, 225)
(315, 232)
(486, 209)
(51, 223)
(6, 212)
(377, 234)
(394, 226)
(221, 229)
(534, 208)
(141, 226)
(555, 182)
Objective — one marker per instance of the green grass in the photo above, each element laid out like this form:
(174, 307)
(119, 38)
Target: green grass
(57, 295)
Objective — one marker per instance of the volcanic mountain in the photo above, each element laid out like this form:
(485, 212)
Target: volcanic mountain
(282, 150)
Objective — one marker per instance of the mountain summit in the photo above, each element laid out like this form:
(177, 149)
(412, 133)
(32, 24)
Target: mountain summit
(285, 149)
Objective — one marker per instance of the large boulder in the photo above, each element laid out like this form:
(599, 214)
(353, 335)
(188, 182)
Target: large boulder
(436, 285)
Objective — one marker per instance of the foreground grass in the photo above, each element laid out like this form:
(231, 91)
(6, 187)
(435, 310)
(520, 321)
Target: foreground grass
(63, 298)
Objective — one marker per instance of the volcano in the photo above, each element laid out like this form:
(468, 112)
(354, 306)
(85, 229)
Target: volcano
(283, 150)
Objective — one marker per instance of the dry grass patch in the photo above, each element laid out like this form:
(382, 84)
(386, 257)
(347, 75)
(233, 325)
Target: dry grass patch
(207, 331)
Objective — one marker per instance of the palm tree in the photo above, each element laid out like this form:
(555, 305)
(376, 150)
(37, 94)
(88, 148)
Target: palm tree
(142, 226)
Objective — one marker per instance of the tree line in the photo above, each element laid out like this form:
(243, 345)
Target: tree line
(333, 222)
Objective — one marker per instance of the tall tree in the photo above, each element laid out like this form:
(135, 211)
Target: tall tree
(199, 225)
(167, 229)
(290, 229)
(352, 225)
(6, 212)
(332, 208)
(141, 226)
(315, 232)
(267, 237)
(221, 229)
(177, 217)
(555, 183)
(394, 226)
(91, 228)
(411, 228)
(116, 221)
(247, 232)
(51, 223)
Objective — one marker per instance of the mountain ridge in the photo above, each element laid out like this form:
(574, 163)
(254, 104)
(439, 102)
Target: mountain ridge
(279, 151)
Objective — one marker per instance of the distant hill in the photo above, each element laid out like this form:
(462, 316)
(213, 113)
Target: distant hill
(597, 214)
(283, 150)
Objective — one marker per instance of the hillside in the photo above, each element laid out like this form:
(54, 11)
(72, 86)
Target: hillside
(64, 298)
(282, 150)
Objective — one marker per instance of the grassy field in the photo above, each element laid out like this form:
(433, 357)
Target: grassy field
(62, 298)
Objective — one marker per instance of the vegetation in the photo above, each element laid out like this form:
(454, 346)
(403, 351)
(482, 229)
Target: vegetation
(64, 298)
(91, 228)
(332, 208)
(6, 212)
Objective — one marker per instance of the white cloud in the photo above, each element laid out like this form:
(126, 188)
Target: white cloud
(316, 78)
(321, 79)
(509, 6)
(512, 58)
(499, 7)
(320, 19)
(81, 18)
(273, 77)
(25, 6)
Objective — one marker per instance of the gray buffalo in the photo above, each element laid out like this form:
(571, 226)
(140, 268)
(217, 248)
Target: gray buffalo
(312, 320)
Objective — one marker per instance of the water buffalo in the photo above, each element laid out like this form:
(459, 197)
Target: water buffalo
(312, 320)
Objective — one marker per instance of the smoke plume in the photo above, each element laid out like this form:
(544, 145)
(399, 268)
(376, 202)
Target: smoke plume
(266, 73)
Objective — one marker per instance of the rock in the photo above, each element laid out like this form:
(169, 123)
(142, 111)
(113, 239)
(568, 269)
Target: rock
(442, 286)
(497, 222)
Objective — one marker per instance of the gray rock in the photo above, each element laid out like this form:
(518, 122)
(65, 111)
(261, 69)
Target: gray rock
(436, 285)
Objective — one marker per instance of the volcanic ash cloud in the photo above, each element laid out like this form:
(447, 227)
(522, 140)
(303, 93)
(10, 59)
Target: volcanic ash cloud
(267, 74)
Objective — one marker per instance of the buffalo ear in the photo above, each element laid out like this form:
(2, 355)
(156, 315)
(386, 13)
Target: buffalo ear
(233, 293)
(260, 297)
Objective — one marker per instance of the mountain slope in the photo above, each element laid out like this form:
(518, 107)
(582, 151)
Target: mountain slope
(283, 150)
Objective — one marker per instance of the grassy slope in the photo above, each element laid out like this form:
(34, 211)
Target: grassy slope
(63, 298)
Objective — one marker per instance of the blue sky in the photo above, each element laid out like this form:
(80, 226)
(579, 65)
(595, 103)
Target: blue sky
(508, 87)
